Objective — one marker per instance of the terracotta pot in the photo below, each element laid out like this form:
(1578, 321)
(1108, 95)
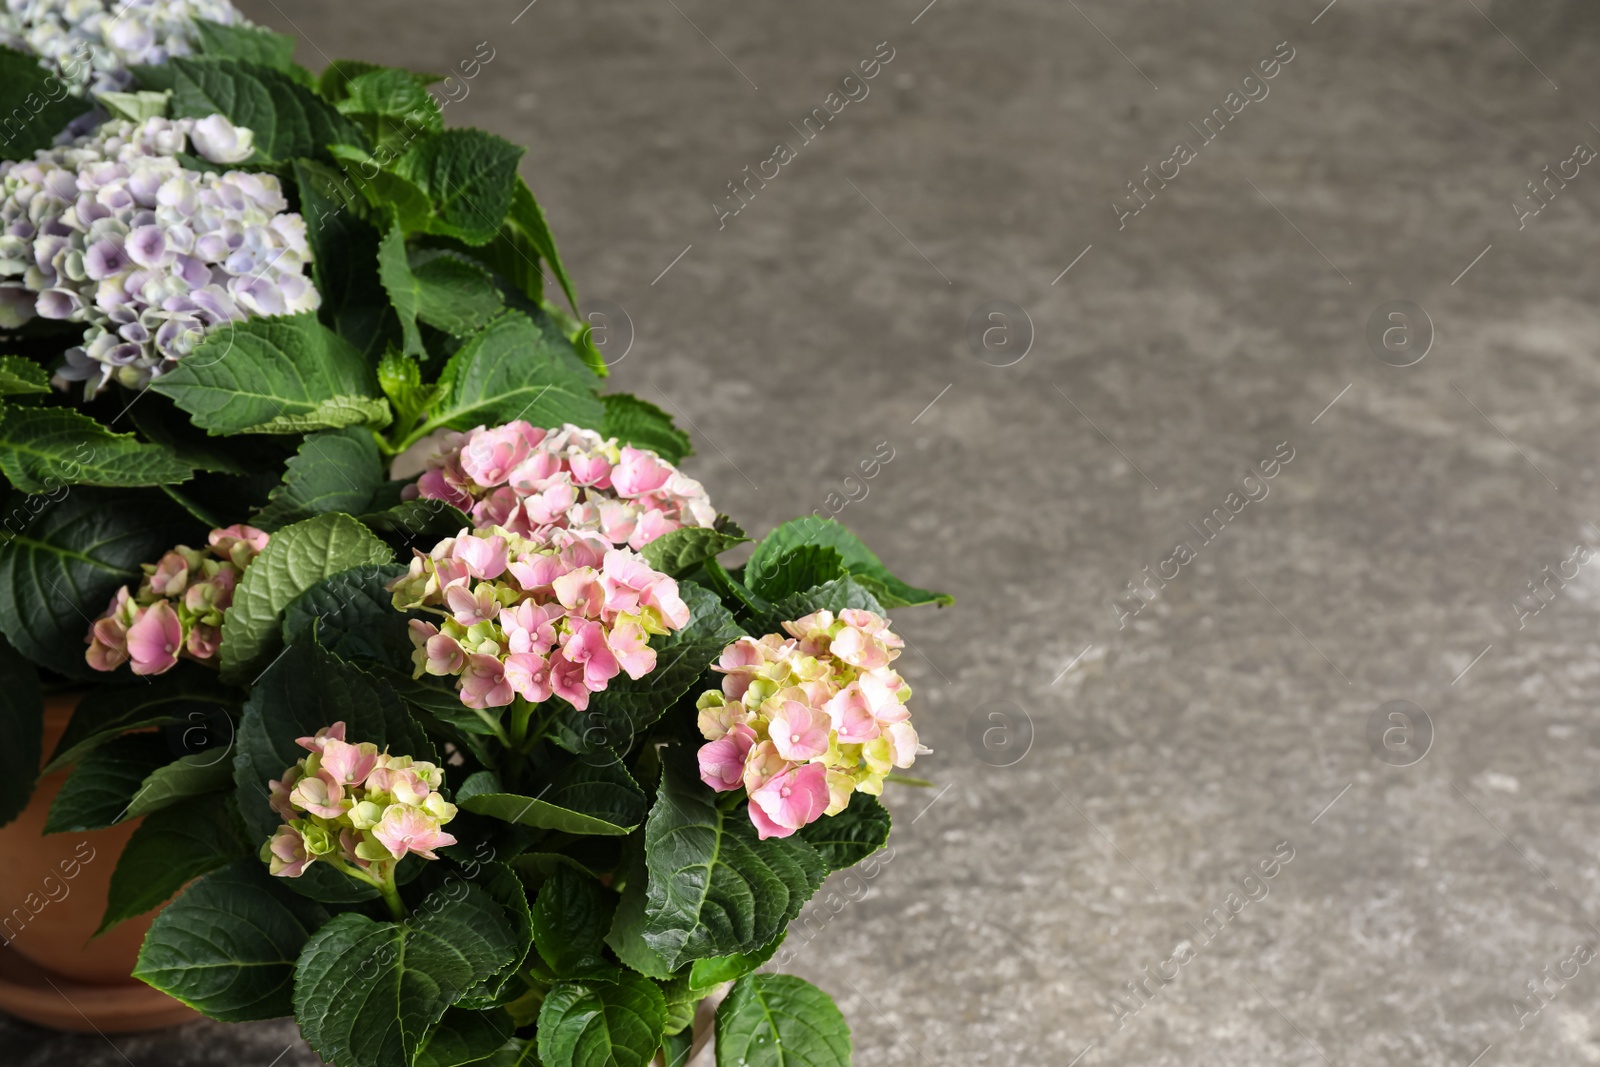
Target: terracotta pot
(51, 972)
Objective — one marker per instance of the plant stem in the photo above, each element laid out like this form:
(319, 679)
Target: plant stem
(391, 897)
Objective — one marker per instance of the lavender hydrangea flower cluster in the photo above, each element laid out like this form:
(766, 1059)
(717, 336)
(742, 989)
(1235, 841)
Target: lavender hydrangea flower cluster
(112, 34)
(113, 232)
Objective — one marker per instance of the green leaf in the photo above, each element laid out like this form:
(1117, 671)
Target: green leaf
(345, 257)
(367, 993)
(336, 470)
(289, 119)
(443, 290)
(21, 731)
(305, 690)
(418, 524)
(42, 449)
(65, 562)
(384, 190)
(392, 106)
(288, 374)
(20, 375)
(714, 889)
(709, 973)
(336, 77)
(297, 557)
(798, 570)
(100, 790)
(469, 176)
(466, 1038)
(354, 616)
(627, 706)
(515, 369)
(570, 918)
(522, 242)
(454, 294)
(394, 271)
(610, 1018)
(162, 700)
(482, 793)
(778, 1020)
(400, 378)
(643, 425)
(868, 569)
(845, 839)
(254, 44)
(171, 848)
(684, 549)
(196, 774)
(228, 946)
(36, 101)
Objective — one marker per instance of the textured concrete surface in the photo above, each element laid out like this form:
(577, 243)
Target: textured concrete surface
(1154, 761)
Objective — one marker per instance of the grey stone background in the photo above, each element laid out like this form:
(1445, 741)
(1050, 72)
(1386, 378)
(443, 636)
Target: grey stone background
(1161, 760)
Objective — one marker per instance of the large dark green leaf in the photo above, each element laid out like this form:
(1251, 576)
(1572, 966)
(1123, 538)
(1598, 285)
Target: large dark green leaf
(367, 993)
(714, 889)
(778, 1020)
(102, 786)
(42, 449)
(335, 470)
(345, 267)
(297, 558)
(62, 567)
(36, 102)
(469, 176)
(610, 1018)
(466, 1038)
(570, 918)
(516, 369)
(228, 946)
(643, 425)
(627, 706)
(797, 571)
(288, 374)
(845, 839)
(289, 120)
(187, 693)
(193, 775)
(354, 617)
(21, 731)
(858, 559)
(169, 849)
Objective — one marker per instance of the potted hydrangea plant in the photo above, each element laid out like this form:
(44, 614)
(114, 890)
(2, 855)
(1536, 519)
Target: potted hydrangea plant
(400, 656)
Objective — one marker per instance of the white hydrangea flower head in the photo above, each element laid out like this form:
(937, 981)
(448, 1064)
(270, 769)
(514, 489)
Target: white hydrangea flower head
(112, 231)
(111, 34)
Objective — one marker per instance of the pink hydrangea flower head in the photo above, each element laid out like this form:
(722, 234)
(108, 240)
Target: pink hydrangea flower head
(527, 479)
(825, 708)
(320, 794)
(348, 764)
(287, 854)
